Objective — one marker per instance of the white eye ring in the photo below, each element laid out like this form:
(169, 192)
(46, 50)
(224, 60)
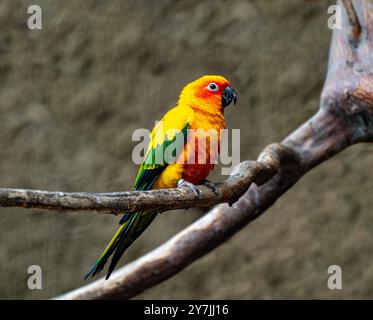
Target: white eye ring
(213, 87)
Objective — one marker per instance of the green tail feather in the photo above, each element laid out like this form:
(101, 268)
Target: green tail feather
(101, 261)
(142, 221)
(127, 233)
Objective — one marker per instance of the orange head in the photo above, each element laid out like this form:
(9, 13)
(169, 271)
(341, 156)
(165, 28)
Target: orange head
(210, 93)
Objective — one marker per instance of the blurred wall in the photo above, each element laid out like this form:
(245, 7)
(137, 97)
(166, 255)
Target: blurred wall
(72, 94)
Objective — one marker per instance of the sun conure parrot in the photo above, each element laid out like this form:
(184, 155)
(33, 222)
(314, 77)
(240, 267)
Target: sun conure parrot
(201, 106)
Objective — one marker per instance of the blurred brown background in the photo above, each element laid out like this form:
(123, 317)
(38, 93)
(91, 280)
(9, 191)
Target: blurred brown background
(72, 94)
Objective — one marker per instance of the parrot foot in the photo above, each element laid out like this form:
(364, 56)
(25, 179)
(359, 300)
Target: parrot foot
(185, 184)
(212, 186)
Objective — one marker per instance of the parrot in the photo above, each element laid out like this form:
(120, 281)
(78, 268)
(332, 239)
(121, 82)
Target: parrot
(200, 108)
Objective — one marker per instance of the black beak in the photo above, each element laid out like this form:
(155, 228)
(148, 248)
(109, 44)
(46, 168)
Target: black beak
(228, 96)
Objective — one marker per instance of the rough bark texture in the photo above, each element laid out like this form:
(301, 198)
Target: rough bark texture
(156, 200)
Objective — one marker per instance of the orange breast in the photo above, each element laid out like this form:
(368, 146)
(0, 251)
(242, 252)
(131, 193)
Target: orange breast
(203, 146)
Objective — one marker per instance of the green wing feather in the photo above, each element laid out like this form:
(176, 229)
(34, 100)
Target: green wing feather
(155, 161)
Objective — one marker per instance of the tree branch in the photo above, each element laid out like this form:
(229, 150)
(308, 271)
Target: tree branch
(228, 191)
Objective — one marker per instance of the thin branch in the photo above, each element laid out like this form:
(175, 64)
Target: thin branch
(228, 191)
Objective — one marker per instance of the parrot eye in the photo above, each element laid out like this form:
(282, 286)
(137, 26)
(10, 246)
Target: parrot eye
(213, 87)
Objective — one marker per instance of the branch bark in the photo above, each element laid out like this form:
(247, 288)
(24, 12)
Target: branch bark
(161, 200)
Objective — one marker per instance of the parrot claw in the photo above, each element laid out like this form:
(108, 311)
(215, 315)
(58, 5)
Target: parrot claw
(212, 186)
(185, 184)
